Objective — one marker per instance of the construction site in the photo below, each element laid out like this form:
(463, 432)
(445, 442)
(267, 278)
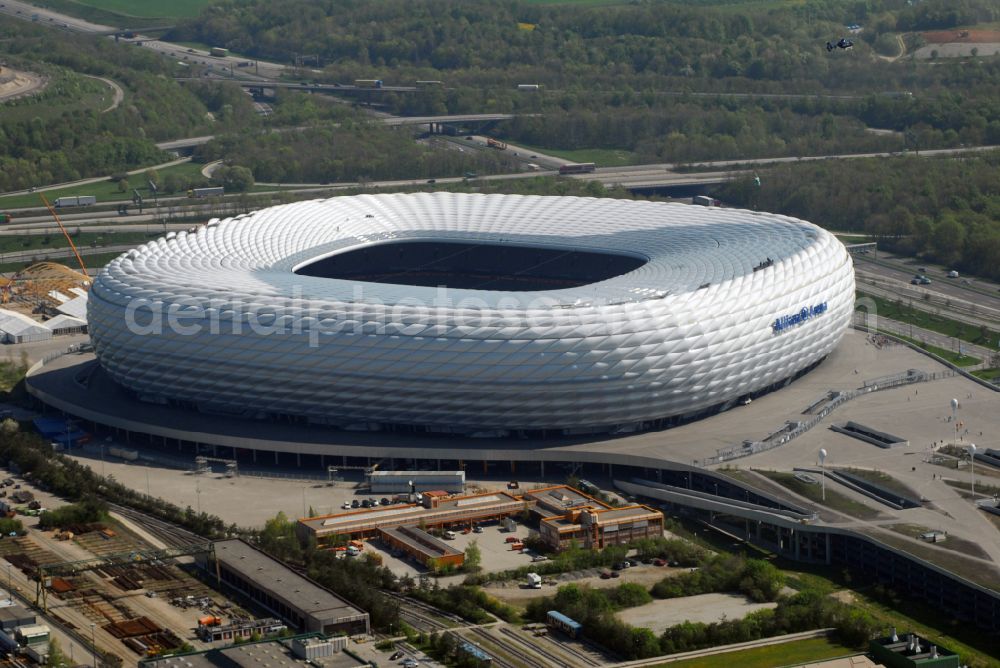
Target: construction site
(107, 585)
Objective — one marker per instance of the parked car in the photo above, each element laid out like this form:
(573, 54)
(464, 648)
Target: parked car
(659, 562)
(398, 654)
(346, 505)
(385, 501)
(410, 663)
(512, 539)
(605, 575)
(477, 529)
(355, 504)
(615, 574)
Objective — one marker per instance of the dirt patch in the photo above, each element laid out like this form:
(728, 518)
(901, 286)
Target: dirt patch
(962, 36)
(644, 575)
(14, 83)
(707, 608)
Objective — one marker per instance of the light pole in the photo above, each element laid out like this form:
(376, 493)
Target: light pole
(972, 467)
(303, 502)
(10, 585)
(822, 470)
(954, 418)
(197, 491)
(93, 641)
(147, 481)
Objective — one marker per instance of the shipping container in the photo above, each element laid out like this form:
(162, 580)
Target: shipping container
(215, 191)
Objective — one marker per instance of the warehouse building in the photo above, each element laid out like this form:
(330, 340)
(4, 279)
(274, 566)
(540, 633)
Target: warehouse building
(444, 511)
(430, 551)
(404, 482)
(298, 601)
(596, 528)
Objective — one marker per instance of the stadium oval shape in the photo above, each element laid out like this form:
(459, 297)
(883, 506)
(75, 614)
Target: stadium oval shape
(562, 314)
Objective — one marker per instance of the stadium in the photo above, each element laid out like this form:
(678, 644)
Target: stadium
(473, 314)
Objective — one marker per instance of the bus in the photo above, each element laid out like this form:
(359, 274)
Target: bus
(368, 83)
(496, 143)
(578, 168)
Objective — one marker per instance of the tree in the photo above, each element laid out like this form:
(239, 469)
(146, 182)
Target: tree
(473, 558)
(123, 185)
(57, 659)
(234, 179)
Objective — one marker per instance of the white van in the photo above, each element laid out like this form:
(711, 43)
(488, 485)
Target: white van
(450, 535)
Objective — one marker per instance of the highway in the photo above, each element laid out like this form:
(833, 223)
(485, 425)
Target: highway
(53, 19)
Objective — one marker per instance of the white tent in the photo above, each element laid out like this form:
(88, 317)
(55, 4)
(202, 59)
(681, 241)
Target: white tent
(66, 324)
(76, 307)
(19, 328)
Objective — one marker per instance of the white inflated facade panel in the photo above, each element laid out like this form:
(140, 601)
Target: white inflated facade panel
(690, 329)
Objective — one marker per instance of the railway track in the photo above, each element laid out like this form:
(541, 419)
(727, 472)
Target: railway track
(586, 658)
(425, 617)
(552, 658)
(524, 660)
(171, 534)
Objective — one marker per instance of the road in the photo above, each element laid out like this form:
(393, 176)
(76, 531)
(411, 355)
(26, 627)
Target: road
(119, 94)
(894, 270)
(53, 19)
(88, 181)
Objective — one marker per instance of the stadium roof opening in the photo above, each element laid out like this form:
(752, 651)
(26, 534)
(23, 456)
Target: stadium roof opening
(473, 266)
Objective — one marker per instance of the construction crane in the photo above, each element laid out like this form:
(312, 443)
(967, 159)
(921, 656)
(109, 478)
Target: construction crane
(65, 234)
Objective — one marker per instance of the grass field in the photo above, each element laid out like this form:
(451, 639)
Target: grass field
(785, 654)
(104, 191)
(935, 323)
(92, 261)
(104, 10)
(65, 92)
(834, 499)
(83, 240)
(987, 374)
(602, 157)
(944, 353)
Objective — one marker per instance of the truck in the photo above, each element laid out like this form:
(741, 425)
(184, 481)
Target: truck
(5, 218)
(219, 52)
(578, 168)
(368, 83)
(534, 581)
(528, 86)
(703, 200)
(214, 191)
(496, 143)
(76, 200)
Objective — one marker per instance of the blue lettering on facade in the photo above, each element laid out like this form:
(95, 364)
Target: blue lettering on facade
(788, 321)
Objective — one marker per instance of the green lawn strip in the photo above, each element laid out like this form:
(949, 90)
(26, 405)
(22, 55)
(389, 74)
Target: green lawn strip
(943, 353)
(134, 13)
(785, 654)
(55, 239)
(92, 261)
(936, 323)
(987, 374)
(950, 543)
(885, 480)
(970, 569)
(834, 499)
(104, 191)
(853, 239)
(602, 157)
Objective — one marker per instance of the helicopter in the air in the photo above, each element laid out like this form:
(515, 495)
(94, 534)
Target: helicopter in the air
(844, 43)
